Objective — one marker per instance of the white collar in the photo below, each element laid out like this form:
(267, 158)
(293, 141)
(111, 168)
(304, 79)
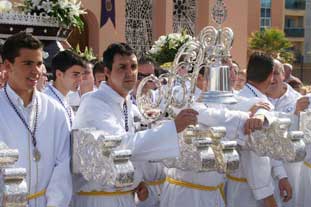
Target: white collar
(108, 91)
(255, 91)
(17, 100)
(56, 91)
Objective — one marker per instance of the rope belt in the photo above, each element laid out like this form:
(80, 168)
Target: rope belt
(36, 195)
(219, 187)
(236, 179)
(156, 182)
(103, 193)
(307, 164)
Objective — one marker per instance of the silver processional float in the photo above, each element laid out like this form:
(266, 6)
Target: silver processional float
(205, 149)
(98, 157)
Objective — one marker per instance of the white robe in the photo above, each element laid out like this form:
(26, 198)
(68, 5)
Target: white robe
(178, 196)
(64, 99)
(152, 171)
(256, 169)
(303, 197)
(103, 110)
(52, 140)
(287, 104)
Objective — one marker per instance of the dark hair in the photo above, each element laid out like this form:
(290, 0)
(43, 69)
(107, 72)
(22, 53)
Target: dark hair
(99, 67)
(145, 60)
(12, 46)
(259, 67)
(64, 60)
(116, 48)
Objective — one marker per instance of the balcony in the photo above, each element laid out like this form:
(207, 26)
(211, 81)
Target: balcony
(294, 32)
(295, 4)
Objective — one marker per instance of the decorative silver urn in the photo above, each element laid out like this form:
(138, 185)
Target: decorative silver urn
(124, 169)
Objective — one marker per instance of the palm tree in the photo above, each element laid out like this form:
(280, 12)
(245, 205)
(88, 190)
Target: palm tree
(273, 42)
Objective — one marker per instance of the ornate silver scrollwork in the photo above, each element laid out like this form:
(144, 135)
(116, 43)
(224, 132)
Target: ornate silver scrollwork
(203, 150)
(305, 125)
(124, 169)
(278, 143)
(13, 187)
(95, 156)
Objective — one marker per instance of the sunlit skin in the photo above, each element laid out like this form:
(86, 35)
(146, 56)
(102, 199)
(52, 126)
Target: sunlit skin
(99, 77)
(24, 72)
(277, 88)
(87, 83)
(43, 79)
(287, 70)
(201, 83)
(123, 76)
(145, 70)
(69, 80)
(263, 86)
(240, 81)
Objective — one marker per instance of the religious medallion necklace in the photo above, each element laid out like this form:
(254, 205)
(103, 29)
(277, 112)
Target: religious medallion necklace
(252, 90)
(36, 153)
(68, 111)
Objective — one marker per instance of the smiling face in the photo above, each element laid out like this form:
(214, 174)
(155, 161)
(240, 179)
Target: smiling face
(123, 75)
(25, 71)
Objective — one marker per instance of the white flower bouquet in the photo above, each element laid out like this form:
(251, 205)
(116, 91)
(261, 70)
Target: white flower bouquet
(66, 11)
(166, 47)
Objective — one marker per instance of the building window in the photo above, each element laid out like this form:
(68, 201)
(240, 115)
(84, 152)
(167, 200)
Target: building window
(265, 15)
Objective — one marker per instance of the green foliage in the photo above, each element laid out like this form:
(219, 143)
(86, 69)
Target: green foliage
(87, 54)
(273, 42)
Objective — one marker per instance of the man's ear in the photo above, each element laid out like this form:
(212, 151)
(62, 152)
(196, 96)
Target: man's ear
(7, 65)
(107, 72)
(58, 74)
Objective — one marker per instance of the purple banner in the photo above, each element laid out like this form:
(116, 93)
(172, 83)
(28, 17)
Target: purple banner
(108, 12)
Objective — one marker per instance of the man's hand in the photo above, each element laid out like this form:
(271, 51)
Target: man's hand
(259, 105)
(253, 123)
(285, 189)
(142, 191)
(302, 104)
(185, 118)
(269, 201)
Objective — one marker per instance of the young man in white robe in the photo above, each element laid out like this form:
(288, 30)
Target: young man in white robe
(86, 86)
(252, 184)
(110, 109)
(67, 70)
(35, 125)
(285, 99)
(191, 188)
(153, 172)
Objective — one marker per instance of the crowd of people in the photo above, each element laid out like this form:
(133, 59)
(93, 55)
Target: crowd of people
(37, 116)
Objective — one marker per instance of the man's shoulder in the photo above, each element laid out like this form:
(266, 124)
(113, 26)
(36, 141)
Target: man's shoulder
(50, 103)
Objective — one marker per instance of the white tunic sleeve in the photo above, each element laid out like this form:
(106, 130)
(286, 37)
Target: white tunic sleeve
(59, 190)
(278, 169)
(152, 144)
(233, 120)
(258, 174)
